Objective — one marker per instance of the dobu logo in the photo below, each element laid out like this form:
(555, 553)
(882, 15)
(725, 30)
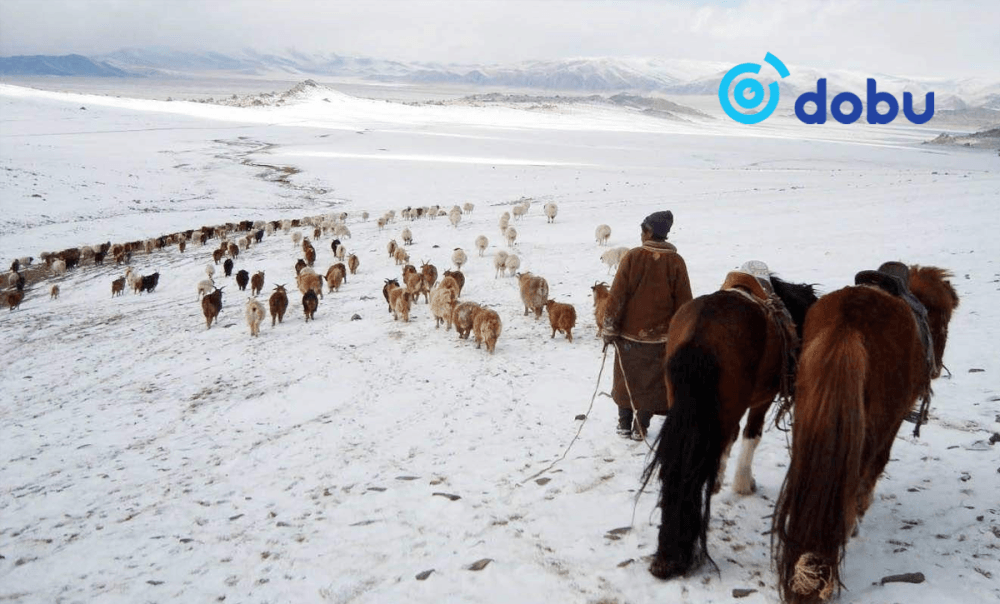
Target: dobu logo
(755, 88)
(756, 97)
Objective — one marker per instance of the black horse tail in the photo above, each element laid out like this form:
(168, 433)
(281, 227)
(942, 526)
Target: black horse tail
(688, 450)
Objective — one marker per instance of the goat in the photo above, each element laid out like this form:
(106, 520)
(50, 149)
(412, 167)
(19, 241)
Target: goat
(342, 231)
(512, 263)
(181, 246)
(430, 273)
(118, 287)
(58, 267)
(341, 253)
(603, 233)
(211, 306)
(234, 250)
(205, 287)
(534, 293)
(227, 267)
(449, 282)
(148, 283)
(353, 263)
(400, 304)
(499, 262)
(459, 279)
(406, 236)
(309, 304)
(336, 244)
(54, 292)
(462, 316)
(613, 257)
(442, 306)
(601, 295)
(562, 317)
(299, 265)
(459, 258)
(335, 275)
(391, 247)
(486, 327)
(15, 266)
(278, 303)
(296, 239)
(415, 286)
(390, 284)
(257, 283)
(217, 255)
(258, 236)
(13, 299)
(310, 253)
(381, 223)
(468, 207)
(12, 278)
(401, 256)
(242, 278)
(551, 209)
(317, 233)
(134, 280)
(255, 316)
(481, 244)
(309, 280)
(511, 235)
(210, 271)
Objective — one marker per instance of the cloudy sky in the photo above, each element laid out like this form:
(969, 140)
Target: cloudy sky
(929, 38)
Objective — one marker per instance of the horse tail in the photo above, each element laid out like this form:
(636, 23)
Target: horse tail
(688, 450)
(817, 508)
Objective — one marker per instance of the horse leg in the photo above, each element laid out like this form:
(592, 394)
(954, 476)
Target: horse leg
(723, 461)
(743, 482)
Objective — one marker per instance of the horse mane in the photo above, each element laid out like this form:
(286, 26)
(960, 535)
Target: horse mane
(797, 297)
(932, 286)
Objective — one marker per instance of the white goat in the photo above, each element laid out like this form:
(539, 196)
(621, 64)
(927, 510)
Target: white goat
(255, 316)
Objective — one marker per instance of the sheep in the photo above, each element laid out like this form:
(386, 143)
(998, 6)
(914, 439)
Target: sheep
(148, 283)
(415, 286)
(211, 306)
(308, 280)
(534, 293)
(499, 262)
(603, 233)
(406, 236)
(118, 287)
(364, 216)
(468, 207)
(442, 306)
(257, 283)
(504, 222)
(286, 225)
(459, 258)
(400, 304)
(551, 209)
(613, 257)
(342, 231)
(233, 250)
(401, 256)
(227, 267)
(86, 252)
(512, 263)
(390, 284)
(242, 278)
(299, 265)
(278, 302)
(54, 292)
(430, 273)
(14, 298)
(335, 276)
(381, 223)
(391, 247)
(205, 287)
(486, 327)
(455, 217)
(462, 316)
(255, 316)
(58, 267)
(353, 263)
(309, 304)
(459, 280)
(511, 236)
(562, 317)
(519, 211)
(481, 244)
(601, 295)
(296, 239)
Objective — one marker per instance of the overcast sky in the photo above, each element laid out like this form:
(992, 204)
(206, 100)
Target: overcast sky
(920, 38)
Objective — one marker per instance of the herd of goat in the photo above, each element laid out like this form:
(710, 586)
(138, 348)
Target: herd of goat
(443, 297)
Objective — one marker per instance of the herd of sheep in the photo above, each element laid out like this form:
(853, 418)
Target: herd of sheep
(443, 298)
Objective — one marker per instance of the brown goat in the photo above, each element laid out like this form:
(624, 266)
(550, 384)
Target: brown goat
(301, 264)
(462, 317)
(486, 327)
(234, 250)
(443, 306)
(400, 304)
(415, 286)
(278, 302)
(310, 254)
(449, 282)
(562, 317)
(54, 292)
(118, 287)
(217, 255)
(352, 264)
(534, 293)
(211, 305)
(390, 284)
(459, 278)
(257, 283)
(309, 304)
(601, 294)
(335, 276)
(13, 299)
(430, 273)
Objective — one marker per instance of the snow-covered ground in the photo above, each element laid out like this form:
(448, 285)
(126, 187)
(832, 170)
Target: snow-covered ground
(144, 458)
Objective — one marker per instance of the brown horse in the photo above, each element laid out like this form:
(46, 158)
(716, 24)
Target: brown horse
(862, 368)
(727, 352)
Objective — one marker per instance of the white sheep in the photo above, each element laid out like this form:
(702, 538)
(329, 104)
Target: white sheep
(210, 270)
(481, 244)
(296, 238)
(459, 257)
(455, 217)
(511, 235)
(467, 207)
(551, 209)
(603, 233)
(512, 263)
(504, 222)
(613, 257)
(406, 236)
(58, 267)
(286, 225)
(499, 262)
(342, 232)
(205, 287)
(255, 316)
(519, 211)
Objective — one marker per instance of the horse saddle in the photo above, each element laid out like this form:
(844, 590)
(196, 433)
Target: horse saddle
(748, 284)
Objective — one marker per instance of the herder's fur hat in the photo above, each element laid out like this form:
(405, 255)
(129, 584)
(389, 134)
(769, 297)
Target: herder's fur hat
(659, 223)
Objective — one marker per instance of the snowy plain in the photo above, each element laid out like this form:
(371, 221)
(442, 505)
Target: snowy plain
(144, 458)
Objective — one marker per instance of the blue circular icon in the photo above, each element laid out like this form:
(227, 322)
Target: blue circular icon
(752, 87)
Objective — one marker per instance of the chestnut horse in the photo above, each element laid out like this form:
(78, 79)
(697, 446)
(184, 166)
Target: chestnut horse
(862, 368)
(727, 352)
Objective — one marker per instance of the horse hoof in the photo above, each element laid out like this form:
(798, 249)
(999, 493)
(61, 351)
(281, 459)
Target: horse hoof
(743, 489)
(665, 569)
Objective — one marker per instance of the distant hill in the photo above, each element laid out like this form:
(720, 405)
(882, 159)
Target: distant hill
(66, 65)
